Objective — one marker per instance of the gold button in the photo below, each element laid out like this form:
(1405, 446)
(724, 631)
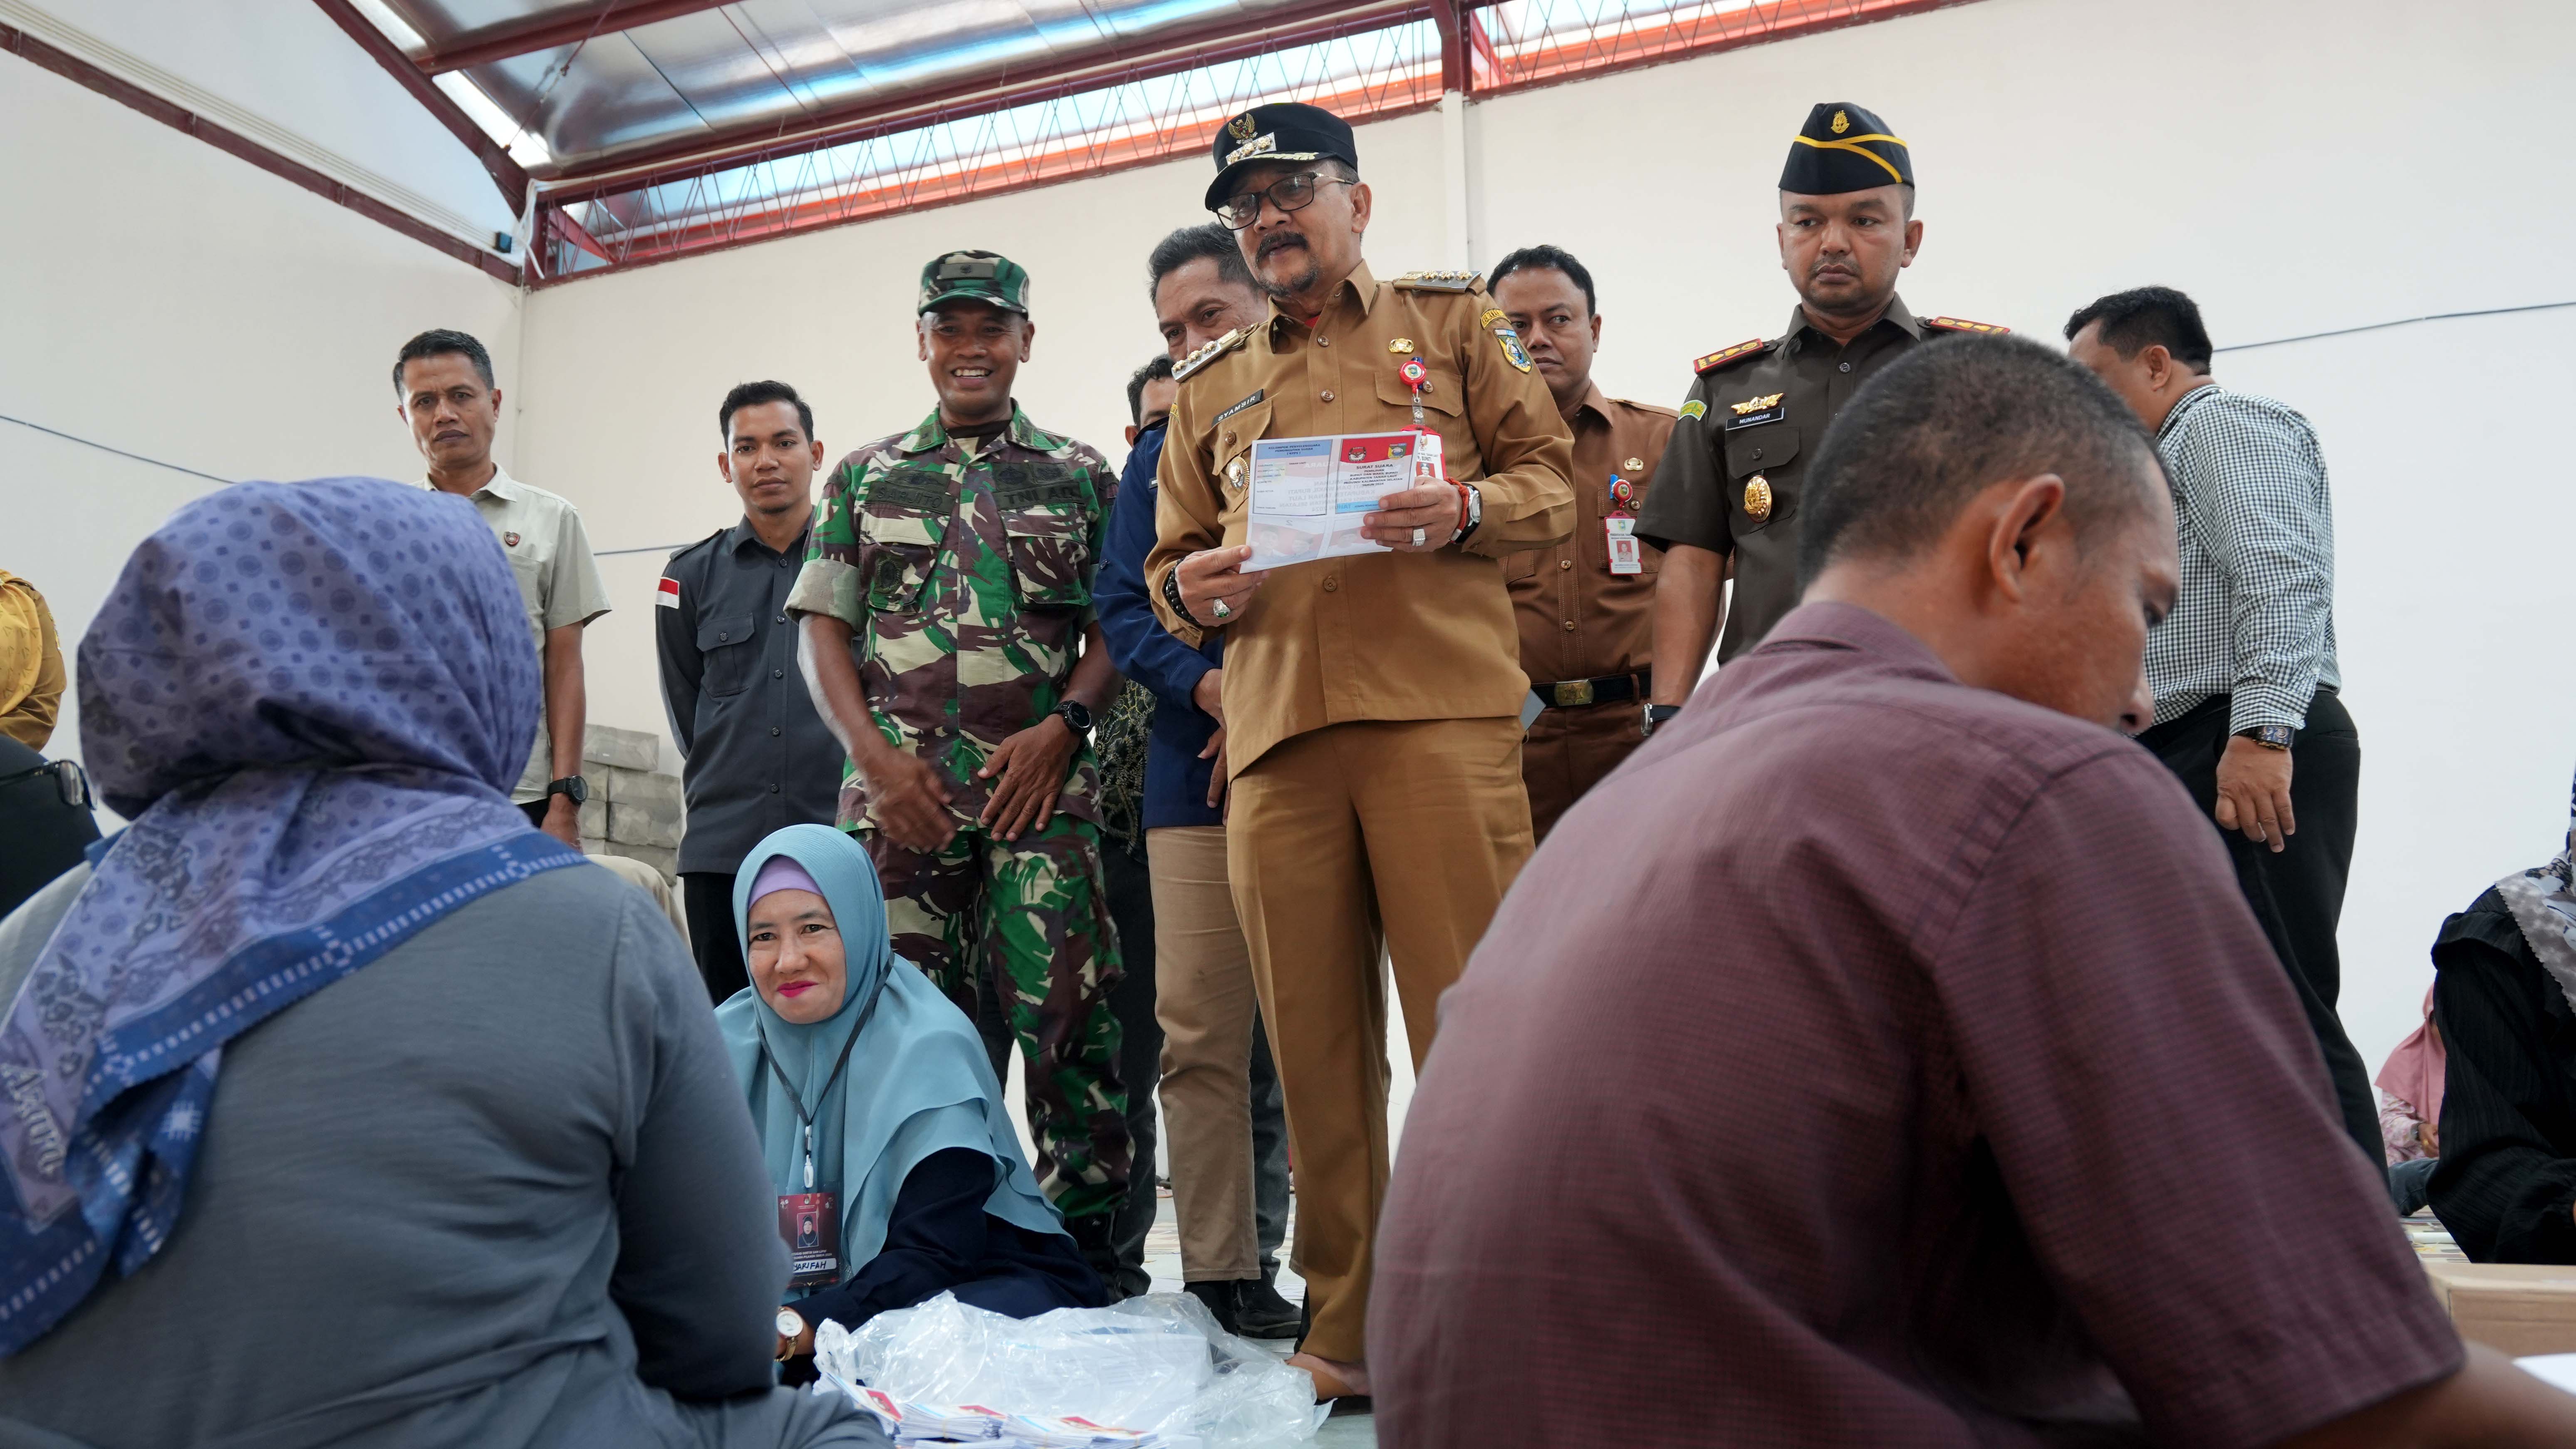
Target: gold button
(1569, 626)
(1229, 438)
(1565, 563)
(1334, 586)
(1326, 394)
(1323, 342)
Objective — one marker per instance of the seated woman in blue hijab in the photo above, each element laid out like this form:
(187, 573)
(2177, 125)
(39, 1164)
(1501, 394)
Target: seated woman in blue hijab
(898, 1174)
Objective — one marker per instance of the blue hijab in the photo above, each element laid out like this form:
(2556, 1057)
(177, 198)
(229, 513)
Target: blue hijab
(310, 699)
(917, 1081)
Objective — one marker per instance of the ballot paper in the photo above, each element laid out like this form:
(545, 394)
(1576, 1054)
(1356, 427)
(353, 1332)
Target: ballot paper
(1308, 495)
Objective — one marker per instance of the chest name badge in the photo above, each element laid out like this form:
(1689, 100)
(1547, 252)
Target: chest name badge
(1258, 394)
(1627, 553)
(1757, 498)
(1756, 410)
(809, 1223)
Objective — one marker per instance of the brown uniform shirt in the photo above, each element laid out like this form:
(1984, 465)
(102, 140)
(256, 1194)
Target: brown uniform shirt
(1926, 1001)
(1721, 446)
(1392, 636)
(1577, 619)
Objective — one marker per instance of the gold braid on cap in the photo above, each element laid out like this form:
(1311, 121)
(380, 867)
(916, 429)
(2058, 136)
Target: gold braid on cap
(1853, 145)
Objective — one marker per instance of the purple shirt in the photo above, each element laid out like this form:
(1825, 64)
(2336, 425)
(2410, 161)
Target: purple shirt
(1794, 1099)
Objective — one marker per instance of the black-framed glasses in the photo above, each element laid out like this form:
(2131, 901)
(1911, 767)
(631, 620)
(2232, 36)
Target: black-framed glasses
(70, 781)
(1288, 193)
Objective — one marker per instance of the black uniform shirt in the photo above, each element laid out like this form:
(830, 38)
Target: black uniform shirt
(759, 757)
(1721, 445)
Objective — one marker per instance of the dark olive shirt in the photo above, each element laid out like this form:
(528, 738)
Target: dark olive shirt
(1721, 445)
(1923, 963)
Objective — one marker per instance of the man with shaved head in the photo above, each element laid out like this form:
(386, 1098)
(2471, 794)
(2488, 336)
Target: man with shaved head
(1926, 935)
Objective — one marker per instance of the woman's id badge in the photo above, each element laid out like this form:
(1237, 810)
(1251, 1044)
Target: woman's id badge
(810, 1224)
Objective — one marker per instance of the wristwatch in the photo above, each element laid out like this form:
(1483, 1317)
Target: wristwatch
(1471, 511)
(2270, 737)
(1656, 714)
(790, 1327)
(572, 785)
(1076, 714)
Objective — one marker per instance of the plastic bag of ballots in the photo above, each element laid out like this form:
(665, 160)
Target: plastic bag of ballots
(1152, 1371)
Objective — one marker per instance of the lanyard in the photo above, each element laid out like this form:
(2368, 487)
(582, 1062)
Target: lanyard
(803, 1114)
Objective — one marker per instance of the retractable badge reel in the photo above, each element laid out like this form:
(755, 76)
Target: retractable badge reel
(1627, 555)
(1426, 448)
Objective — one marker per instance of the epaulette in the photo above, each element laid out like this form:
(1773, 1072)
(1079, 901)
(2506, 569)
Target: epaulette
(1737, 353)
(1209, 353)
(1958, 324)
(1440, 281)
(701, 543)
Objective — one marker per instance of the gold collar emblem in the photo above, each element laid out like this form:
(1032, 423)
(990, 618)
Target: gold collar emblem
(1756, 404)
(1400, 346)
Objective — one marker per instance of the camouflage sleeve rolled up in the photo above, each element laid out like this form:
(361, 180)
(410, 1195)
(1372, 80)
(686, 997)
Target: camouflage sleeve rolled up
(829, 583)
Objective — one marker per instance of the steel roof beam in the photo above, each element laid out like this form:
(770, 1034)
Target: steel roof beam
(505, 172)
(1181, 50)
(551, 28)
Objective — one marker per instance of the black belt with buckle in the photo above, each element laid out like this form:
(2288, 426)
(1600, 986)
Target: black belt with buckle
(1577, 693)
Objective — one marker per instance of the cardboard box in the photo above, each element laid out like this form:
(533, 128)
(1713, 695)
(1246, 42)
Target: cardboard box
(2517, 1308)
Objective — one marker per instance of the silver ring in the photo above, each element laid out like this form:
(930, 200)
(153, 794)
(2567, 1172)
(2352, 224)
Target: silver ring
(1219, 609)
(1418, 537)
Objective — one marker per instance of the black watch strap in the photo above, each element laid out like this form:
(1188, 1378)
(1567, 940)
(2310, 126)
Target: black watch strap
(1656, 714)
(572, 785)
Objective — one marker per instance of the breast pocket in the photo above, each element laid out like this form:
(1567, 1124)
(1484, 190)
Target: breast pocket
(1046, 515)
(1767, 452)
(900, 526)
(725, 652)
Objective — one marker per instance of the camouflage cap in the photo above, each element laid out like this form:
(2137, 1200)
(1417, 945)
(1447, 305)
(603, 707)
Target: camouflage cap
(975, 276)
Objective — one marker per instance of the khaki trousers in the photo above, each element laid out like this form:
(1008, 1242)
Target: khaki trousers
(1204, 1000)
(1403, 830)
(1568, 751)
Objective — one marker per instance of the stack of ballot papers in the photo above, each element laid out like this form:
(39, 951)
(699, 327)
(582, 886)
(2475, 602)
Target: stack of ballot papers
(911, 1423)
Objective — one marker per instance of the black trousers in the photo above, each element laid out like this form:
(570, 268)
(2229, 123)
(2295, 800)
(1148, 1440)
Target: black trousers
(2297, 894)
(706, 896)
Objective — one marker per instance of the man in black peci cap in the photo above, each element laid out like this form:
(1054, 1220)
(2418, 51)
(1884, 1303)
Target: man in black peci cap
(1728, 489)
(1371, 702)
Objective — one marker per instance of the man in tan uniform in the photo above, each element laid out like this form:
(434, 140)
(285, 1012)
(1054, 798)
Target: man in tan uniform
(1586, 606)
(1371, 702)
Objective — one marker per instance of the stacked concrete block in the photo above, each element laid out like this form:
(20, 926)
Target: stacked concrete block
(634, 810)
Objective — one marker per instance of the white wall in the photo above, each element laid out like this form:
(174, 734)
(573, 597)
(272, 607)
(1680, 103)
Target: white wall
(286, 75)
(170, 300)
(2298, 166)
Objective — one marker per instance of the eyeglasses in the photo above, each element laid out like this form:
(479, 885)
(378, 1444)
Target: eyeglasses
(69, 781)
(1288, 193)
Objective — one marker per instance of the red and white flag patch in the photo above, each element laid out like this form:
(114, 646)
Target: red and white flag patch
(668, 594)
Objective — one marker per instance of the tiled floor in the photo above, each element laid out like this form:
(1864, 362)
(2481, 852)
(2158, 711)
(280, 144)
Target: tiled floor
(1163, 1260)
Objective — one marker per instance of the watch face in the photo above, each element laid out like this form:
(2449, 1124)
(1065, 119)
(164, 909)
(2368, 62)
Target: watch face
(1075, 714)
(789, 1325)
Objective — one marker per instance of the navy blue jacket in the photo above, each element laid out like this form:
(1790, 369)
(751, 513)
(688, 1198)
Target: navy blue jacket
(1176, 779)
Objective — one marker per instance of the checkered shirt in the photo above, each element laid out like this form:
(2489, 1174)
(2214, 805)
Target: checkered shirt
(2256, 616)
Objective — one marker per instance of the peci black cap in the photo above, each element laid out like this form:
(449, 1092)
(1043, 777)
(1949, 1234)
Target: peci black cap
(1288, 131)
(1844, 148)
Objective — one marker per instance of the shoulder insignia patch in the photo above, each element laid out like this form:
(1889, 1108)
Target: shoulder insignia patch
(1737, 353)
(1957, 324)
(1440, 282)
(1210, 353)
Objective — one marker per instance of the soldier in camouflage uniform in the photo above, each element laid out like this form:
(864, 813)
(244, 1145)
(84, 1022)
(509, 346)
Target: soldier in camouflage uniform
(946, 607)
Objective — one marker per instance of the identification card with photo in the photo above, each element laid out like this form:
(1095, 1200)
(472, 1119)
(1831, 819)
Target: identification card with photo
(810, 1224)
(1627, 552)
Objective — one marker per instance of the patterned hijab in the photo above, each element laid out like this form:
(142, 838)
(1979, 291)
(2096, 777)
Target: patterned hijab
(2543, 902)
(310, 699)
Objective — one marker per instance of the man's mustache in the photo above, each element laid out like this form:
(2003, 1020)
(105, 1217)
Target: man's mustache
(1277, 240)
